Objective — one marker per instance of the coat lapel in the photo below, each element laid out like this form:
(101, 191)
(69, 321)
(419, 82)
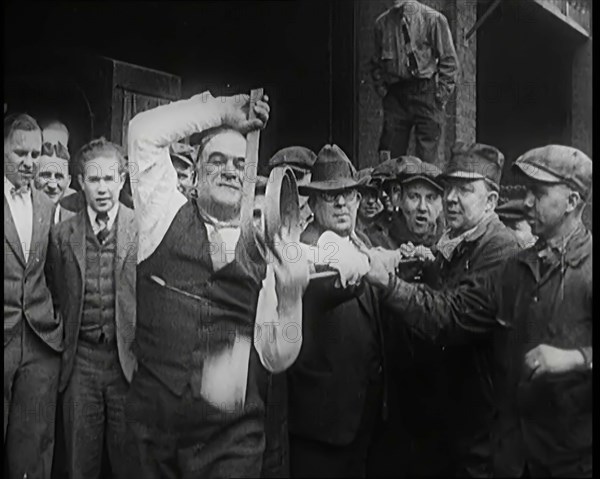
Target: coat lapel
(11, 235)
(41, 214)
(125, 240)
(77, 242)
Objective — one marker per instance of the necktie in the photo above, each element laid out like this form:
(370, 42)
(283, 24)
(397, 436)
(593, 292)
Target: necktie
(217, 249)
(412, 64)
(19, 192)
(102, 222)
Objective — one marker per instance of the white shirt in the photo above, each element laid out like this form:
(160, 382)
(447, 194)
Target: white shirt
(157, 201)
(21, 209)
(112, 216)
(57, 214)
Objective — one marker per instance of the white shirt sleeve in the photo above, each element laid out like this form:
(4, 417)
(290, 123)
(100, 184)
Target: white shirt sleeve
(152, 175)
(277, 339)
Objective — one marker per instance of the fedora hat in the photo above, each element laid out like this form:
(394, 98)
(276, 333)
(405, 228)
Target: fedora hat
(332, 171)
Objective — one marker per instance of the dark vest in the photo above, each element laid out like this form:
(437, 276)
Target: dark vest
(174, 330)
(99, 294)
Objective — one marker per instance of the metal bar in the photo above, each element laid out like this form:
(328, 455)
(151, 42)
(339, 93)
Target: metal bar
(483, 18)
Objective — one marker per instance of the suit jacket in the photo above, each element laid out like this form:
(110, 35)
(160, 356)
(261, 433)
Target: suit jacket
(27, 285)
(339, 359)
(69, 249)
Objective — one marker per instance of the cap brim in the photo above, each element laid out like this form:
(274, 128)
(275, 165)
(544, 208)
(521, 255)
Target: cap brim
(429, 180)
(465, 175)
(331, 185)
(536, 173)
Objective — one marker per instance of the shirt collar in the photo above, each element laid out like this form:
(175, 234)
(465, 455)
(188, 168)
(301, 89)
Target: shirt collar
(569, 246)
(8, 187)
(447, 245)
(112, 215)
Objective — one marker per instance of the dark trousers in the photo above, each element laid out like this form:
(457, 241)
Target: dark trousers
(31, 370)
(276, 460)
(312, 458)
(412, 105)
(172, 437)
(94, 412)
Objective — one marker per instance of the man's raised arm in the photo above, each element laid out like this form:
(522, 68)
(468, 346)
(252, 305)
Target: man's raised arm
(153, 177)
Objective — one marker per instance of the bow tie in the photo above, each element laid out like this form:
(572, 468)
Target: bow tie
(21, 191)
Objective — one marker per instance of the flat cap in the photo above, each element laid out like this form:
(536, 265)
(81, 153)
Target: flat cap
(475, 161)
(387, 171)
(183, 153)
(558, 164)
(294, 155)
(412, 169)
(365, 180)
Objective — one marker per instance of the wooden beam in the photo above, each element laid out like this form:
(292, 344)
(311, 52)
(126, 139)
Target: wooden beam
(483, 18)
(251, 165)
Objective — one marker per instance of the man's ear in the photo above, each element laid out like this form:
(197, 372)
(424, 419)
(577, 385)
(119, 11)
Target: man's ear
(80, 180)
(493, 198)
(574, 200)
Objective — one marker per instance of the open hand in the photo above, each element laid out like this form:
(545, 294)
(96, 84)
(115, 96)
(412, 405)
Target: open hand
(291, 273)
(235, 112)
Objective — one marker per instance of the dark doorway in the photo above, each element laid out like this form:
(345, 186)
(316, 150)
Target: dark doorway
(524, 69)
(226, 47)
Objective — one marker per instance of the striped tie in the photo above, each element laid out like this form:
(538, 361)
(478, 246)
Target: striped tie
(102, 222)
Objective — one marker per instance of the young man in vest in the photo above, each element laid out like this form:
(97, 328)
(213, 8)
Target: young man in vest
(96, 264)
(32, 332)
(196, 406)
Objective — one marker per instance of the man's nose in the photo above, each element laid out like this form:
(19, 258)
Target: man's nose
(340, 200)
(422, 205)
(451, 195)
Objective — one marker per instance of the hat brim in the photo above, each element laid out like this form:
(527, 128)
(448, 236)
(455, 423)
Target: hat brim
(536, 173)
(427, 179)
(330, 185)
(464, 175)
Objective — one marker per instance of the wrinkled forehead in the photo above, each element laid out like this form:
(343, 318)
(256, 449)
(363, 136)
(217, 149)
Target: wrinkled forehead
(55, 135)
(103, 166)
(26, 140)
(53, 163)
(228, 143)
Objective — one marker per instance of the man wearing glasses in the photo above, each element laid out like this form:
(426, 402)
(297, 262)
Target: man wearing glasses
(336, 385)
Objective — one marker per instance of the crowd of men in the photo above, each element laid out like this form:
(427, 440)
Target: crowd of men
(416, 327)
(154, 339)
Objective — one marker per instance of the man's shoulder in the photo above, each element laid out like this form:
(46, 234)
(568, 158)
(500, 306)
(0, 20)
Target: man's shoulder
(63, 228)
(382, 17)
